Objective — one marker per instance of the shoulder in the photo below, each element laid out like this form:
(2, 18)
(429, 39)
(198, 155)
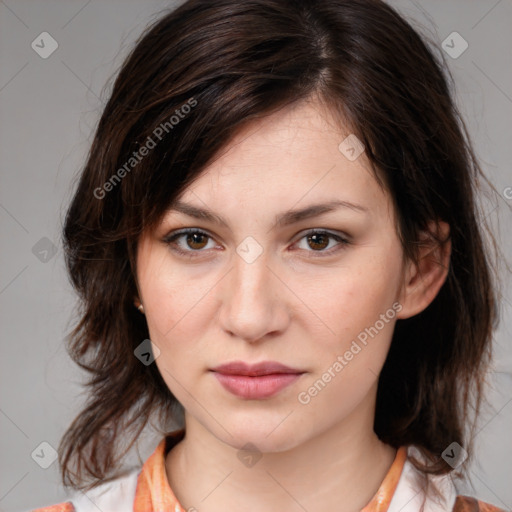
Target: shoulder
(409, 493)
(470, 504)
(115, 496)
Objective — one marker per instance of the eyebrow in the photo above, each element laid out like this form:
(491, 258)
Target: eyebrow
(283, 219)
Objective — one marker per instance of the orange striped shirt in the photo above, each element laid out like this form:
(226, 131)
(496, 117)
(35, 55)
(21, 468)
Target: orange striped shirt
(154, 494)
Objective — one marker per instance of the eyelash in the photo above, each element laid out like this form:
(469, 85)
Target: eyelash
(171, 237)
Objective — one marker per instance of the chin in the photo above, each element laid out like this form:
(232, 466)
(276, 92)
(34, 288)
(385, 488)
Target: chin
(268, 436)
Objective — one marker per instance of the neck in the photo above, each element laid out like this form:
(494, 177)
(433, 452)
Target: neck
(344, 465)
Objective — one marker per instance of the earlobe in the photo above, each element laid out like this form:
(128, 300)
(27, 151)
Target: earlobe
(423, 281)
(138, 304)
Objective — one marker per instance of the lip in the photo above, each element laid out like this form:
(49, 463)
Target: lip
(257, 381)
(254, 370)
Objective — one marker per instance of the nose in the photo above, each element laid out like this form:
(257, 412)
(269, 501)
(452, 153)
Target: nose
(254, 303)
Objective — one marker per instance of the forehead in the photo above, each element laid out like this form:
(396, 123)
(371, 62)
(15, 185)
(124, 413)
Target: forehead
(294, 159)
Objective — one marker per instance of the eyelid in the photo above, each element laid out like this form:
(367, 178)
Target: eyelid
(342, 238)
(327, 231)
(174, 235)
(183, 231)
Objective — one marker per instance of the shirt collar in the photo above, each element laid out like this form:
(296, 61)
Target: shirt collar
(153, 490)
(155, 494)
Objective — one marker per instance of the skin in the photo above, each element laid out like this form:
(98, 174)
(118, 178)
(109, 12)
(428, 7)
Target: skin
(287, 306)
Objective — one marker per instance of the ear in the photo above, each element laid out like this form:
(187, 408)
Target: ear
(423, 281)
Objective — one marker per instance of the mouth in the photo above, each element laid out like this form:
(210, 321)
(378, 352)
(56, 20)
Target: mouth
(255, 382)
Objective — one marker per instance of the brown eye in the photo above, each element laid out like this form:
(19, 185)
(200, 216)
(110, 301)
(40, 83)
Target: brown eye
(189, 242)
(318, 241)
(196, 240)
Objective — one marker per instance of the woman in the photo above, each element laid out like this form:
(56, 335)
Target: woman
(278, 252)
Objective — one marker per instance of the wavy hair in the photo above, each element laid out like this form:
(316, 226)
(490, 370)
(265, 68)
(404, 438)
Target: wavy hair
(196, 76)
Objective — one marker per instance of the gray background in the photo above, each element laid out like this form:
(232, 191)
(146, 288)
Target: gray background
(49, 108)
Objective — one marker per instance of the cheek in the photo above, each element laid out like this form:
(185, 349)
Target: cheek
(348, 363)
(346, 300)
(174, 300)
(175, 315)
(179, 310)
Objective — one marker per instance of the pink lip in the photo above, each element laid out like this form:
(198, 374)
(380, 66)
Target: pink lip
(257, 381)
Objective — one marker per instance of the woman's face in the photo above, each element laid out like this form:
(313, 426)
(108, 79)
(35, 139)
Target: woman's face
(258, 287)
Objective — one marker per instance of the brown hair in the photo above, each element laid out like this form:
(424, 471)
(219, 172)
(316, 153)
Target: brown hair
(232, 61)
